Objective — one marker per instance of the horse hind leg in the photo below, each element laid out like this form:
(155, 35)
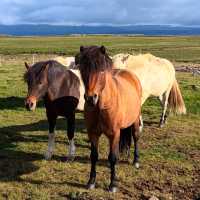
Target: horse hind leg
(135, 134)
(125, 142)
(141, 124)
(164, 102)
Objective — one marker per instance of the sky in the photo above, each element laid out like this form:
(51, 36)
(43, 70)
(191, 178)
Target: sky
(100, 12)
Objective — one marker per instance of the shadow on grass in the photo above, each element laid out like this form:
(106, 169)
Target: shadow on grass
(39, 182)
(12, 103)
(10, 134)
(151, 123)
(14, 163)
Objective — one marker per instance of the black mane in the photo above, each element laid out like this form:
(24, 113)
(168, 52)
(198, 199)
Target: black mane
(93, 59)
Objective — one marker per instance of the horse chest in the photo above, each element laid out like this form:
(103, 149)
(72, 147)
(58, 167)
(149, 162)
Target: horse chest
(63, 106)
(107, 123)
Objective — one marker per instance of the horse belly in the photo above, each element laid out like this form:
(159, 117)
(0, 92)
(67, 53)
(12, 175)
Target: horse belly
(155, 81)
(161, 84)
(63, 106)
(132, 108)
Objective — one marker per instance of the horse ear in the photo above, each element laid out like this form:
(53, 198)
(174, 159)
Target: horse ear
(27, 65)
(103, 49)
(77, 58)
(81, 48)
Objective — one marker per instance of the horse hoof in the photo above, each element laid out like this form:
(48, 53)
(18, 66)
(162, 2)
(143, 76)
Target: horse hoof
(48, 155)
(70, 158)
(112, 189)
(129, 161)
(137, 165)
(91, 186)
(161, 125)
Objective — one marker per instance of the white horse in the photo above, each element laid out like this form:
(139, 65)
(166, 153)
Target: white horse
(157, 77)
(69, 62)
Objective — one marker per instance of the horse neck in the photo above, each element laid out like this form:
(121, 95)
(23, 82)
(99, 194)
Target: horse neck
(108, 93)
(54, 84)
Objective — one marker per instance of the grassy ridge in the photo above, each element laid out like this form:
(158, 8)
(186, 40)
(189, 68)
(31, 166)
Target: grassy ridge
(170, 159)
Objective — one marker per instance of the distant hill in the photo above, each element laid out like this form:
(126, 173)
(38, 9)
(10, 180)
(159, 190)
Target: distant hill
(47, 30)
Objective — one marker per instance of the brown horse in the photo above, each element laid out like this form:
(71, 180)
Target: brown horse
(113, 102)
(60, 90)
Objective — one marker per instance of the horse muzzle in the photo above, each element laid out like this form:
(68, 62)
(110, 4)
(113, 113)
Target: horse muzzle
(30, 103)
(91, 100)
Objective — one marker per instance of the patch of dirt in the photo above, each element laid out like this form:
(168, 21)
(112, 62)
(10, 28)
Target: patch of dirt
(195, 70)
(190, 68)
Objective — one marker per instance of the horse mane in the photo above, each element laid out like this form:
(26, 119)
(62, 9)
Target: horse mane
(38, 67)
(93, 59)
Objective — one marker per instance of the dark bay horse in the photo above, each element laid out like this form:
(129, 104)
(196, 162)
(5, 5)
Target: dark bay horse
(60, 90)
(113, 102)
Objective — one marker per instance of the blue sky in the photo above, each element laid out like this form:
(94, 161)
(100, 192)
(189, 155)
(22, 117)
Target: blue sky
(92, 12)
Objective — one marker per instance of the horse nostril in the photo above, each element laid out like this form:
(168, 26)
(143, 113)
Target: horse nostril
(94, 98)
(27, 107)
(85, 97)
(31, 104)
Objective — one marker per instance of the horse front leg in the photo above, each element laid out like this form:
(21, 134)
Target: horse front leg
(94, 139)
(70, 134)
(51, 137)
(114, 150)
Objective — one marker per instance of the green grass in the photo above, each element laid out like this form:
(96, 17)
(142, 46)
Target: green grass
(186, 49)
(169, 157)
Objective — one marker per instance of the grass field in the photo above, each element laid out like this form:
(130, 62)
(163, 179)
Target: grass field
(169, 157)
(186, 49)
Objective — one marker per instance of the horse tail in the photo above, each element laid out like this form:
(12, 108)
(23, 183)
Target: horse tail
(125, 140)
(175, 100)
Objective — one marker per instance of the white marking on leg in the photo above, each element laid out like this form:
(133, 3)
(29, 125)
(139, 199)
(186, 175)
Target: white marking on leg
(137, 165)
(51, 144)
(72, 148)
(141, 124)
(165, 104)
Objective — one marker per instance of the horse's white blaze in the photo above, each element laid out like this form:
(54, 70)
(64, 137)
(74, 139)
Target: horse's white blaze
(33, 107)
(72, 148)
(51, 144)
